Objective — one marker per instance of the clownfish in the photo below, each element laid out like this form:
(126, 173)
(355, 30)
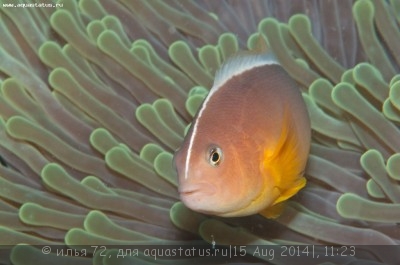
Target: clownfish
(248, 145)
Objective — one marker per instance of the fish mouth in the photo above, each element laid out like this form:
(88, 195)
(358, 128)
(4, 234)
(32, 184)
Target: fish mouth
(197, 189)
(199, 198)
(186, 193)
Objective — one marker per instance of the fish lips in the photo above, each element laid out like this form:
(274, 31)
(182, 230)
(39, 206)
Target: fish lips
(195, 196)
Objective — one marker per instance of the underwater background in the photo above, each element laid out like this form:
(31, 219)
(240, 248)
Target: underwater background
(96, 96)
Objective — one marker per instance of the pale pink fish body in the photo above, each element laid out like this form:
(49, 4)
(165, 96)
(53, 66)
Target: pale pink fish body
(248, 145)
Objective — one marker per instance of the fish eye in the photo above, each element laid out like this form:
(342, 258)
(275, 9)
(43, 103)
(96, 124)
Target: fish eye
(215, 156)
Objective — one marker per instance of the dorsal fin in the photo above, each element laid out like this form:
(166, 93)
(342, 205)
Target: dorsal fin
(243, 61)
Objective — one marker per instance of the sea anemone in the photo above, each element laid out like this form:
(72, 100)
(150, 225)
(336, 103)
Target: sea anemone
(97, 95)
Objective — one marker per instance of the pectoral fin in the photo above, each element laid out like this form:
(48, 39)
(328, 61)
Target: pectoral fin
(298, 185)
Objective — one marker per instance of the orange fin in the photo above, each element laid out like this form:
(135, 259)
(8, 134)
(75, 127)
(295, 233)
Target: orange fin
(292, 191)
(274, 211)
(284, 163)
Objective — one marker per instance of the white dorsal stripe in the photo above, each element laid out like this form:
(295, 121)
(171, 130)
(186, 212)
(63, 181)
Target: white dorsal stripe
(232, 67)
(239, 64)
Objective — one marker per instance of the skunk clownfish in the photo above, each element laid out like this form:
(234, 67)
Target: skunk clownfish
(248, 145)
